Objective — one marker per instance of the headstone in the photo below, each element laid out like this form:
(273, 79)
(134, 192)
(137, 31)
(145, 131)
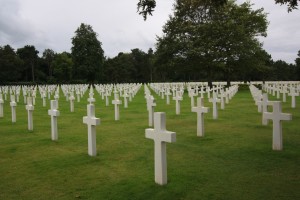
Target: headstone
(30, 108)
(177, 98)
(107, 94)
(1, 105)
(72, 99)
(192, 95)
(54, 113)
(13, 106)
(91, 121)
(150, 105)
(277, 117)
(214, 101)
(125, 96)
(293, 94)
(91, 98)
(44, 99)
(168, 94)
(117, 103)
(200, 110)
(160, 136)
(264, 103)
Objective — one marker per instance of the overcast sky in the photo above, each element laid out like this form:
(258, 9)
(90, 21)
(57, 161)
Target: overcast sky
(52, 23)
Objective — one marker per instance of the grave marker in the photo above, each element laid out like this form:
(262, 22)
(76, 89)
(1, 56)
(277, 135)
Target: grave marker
(30, 109)
(277, 117)
(160, 136)
(13, 106)
(91, 121)
(200, 110)
(54, 113)
(214, 101)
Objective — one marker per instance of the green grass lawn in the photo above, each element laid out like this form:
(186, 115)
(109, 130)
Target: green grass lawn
(234, 160)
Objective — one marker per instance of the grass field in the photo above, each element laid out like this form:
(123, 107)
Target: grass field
(234, 160)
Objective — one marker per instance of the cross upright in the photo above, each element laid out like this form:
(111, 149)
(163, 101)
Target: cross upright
(214, 101)
(284, 92)
(160, 136)
(30, 108)
(1, 104)
(177, 98)
(125, 96)
(54, 113)
(200, 110)
(72, 99)
(264, 103)
(107, 94)
(13, 106)
(192, 95)
(117, 103)
(202, 92)
(91, 121)
(168, 93)
(293, 94)
(222, 96)
(150, 107)
(277, 117)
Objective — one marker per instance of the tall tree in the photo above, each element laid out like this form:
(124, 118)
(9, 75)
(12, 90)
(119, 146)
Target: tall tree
(146, 7)
(48, 56)
(88, 55)
(297, 61)
(10, 65)
(62, 66)
(29, 55)
(205, 37)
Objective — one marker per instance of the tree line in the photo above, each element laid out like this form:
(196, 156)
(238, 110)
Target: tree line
(200, 42)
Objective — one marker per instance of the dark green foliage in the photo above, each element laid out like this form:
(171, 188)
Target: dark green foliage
(146, 7)
(62, 66)
(210, 41)
(292, 4)
(10, 65)
(87, 54)
(29, 55)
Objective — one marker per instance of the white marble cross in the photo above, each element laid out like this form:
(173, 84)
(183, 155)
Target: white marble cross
(125, 96)
(168, 94)
(117, 104)
(91, 98)
(150, 107)
(222, 96)
(30, 109)
(264, 103)
(13, 106)
(214, 101)
(160, 136)
(284, 91)
(293, 94)
(200, 110)
(44, 99)
(192, 95)
(72, 99)
(177, 98)
(54, 113)
(91, 121)
(277, 116)
(107, 94)
(1, 105)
